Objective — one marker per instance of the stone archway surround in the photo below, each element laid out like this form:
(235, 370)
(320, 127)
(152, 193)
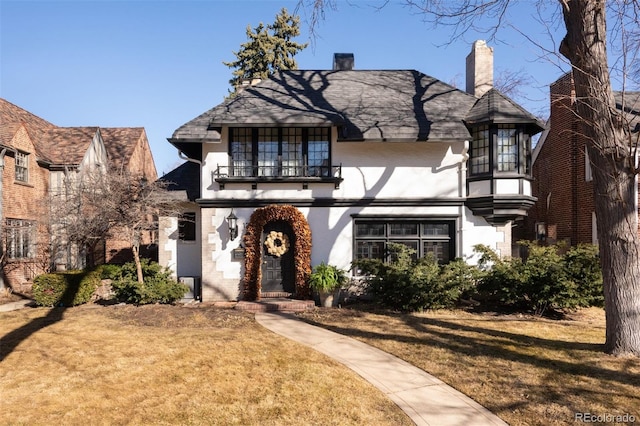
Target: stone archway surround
(253, 249)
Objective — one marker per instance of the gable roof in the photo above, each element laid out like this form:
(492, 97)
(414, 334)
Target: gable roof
(66, 145)
(12, 117)
(403, 105)
(120, 142)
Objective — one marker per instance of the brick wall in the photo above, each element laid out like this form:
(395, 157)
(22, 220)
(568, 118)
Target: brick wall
(565, 198)
(26, 201)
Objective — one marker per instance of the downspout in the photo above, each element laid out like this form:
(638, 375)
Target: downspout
(462, 173)
(184, 156)
(2, 153)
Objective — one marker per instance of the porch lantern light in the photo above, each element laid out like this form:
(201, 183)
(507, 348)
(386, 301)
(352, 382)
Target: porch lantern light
(232, 222)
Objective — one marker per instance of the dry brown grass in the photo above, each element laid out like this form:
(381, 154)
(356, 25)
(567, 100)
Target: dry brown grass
(527, 370)
(171, 365)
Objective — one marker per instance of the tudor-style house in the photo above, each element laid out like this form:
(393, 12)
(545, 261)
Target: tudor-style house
(38, 160)
(563, 181)
(329, 166)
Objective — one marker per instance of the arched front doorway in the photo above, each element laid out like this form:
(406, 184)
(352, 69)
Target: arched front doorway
(280, 236)
(278, 267)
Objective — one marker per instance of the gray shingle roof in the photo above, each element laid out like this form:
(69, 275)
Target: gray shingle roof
(367, 105)
(629, 102)
(494, 107)
(185, 177)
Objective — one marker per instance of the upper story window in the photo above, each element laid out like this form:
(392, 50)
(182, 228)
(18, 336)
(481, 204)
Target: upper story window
(480, 150)
(499, 148)
(21, 238)
(22, 167)
(279, 152)
(507, 149)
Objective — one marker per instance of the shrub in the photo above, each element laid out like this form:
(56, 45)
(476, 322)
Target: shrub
(69, 288)
(582, 265)
(545, 279)
(459, 280)
(410, 284)
(158, 286)
(110, 271)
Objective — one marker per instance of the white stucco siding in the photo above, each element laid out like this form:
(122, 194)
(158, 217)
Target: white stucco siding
(476, 231)
(332, 239)
(398, 169)
(182, 257)
(168, 243)
(369, 169)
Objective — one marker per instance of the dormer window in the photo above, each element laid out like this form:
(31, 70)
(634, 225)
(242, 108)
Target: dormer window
(22, 167)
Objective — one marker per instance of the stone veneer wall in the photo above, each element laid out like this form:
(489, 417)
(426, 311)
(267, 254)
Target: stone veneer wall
(214, 284)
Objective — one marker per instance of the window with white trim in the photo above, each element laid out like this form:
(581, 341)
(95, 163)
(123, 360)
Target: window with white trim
(20, 238)
(435, 237)
(22, 167)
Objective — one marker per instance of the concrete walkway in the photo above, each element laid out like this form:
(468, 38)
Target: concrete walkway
(424, 398)
(14, 306)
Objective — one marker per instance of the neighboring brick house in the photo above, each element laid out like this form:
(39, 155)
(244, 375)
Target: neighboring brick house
(36, 158)
(562, 173)
(314, 166)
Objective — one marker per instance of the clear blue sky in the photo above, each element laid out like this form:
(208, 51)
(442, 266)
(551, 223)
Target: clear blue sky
(158, 64)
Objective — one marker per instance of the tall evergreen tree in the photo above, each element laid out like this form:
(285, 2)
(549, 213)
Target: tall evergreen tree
(268, 49)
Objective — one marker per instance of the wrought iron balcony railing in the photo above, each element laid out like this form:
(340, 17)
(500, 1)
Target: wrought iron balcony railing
(277, 173)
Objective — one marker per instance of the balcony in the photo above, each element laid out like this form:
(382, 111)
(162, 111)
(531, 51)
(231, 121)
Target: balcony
(255, 174)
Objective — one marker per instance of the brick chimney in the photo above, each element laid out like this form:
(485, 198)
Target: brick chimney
(480, 69)
(343, 61)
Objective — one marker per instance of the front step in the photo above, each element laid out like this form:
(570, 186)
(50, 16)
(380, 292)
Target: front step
(276, 295)
(276, 305)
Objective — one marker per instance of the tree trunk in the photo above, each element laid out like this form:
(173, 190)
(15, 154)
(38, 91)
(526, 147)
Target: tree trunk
(613, 166)
(136, 258)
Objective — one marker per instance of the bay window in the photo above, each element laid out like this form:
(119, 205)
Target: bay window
(499, 148)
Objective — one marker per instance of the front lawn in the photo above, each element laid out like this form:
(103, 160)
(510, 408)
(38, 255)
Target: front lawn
(171, 365)
(526, 369)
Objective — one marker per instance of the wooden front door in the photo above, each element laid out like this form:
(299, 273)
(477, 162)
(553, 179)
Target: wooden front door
(278, 268)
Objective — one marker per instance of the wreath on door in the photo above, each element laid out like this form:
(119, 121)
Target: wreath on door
(277, 243)
(299, 242)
